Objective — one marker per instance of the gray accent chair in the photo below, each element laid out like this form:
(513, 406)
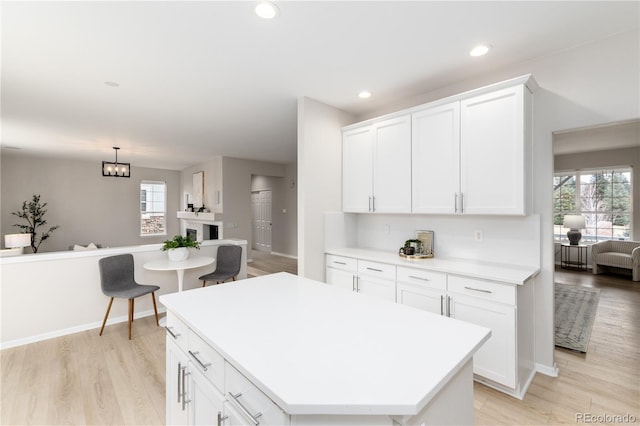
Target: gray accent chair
(618, 254)
(117, 280)
(228, 262)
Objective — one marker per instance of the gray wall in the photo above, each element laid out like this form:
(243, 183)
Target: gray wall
(608, 158)
(87, 206)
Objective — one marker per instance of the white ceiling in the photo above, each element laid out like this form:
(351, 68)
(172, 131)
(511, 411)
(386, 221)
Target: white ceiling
(202, 79)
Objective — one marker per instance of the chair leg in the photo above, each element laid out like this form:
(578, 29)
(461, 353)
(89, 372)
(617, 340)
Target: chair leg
(106, 315)
(204, 283)
(233, 278)
(155, 309)
(130, 316)
(133, 302)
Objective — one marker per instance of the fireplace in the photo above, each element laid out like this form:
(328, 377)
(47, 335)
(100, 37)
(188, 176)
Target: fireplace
(200, 226)
(208, 232)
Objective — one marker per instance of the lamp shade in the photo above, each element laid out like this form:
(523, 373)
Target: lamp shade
(17, 240)
(574, 221)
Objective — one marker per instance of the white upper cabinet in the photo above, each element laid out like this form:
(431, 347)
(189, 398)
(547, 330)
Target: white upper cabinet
(357, 173)
(435, 166)
(392, 166)
(377, 167)
(470, 155)
(493, 152)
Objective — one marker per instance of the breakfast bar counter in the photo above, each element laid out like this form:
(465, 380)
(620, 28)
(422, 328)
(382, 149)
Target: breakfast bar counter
(316, 355)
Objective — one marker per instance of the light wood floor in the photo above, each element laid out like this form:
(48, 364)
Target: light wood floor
(87, 379)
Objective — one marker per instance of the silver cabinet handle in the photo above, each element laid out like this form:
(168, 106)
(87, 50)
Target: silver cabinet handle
(358, 284)
(455, 203)
(462, 202)
(184, 388)
(373, 207)
(478, 289)
(419, 278)
(374, 269)
(254, 418)
(441, 305)
(353, 283)
(221, 418)
(174, 335)
(180, 368)
(448, 306)
(203, 365)
(339, 263)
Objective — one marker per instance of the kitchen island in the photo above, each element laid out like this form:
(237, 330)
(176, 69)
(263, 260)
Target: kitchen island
(282, 349)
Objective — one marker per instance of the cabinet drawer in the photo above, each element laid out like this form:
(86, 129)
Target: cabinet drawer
(177, 331)
(207, 360)
(375, 269)
(488, 290)
(341, 262)
(249, 401)
(434, 280)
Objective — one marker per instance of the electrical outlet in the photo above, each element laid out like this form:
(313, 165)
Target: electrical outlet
(477, 235)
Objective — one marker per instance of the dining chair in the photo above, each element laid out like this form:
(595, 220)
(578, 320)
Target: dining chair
(117, 280)
(228, 261)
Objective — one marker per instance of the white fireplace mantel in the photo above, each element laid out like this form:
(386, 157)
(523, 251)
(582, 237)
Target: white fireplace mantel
(193, 216)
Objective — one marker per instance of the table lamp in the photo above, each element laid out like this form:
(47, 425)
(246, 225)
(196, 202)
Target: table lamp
(17, 241)
(574, 223)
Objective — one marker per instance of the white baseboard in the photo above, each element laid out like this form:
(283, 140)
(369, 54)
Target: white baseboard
(290, 256)
(547, 370)
(76, 329)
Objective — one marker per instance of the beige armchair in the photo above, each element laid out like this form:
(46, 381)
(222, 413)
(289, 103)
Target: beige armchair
(619, 254)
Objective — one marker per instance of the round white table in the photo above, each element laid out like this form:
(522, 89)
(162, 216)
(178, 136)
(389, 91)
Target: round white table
(179, 266)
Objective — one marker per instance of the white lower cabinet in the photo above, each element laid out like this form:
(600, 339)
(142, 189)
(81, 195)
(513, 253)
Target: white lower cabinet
(203, 389)
(505, 361)
(496, 359)
(194, 378)
(422, 289)
(372, 279)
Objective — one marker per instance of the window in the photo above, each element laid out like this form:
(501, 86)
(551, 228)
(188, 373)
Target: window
(153, 208)
(602, 196)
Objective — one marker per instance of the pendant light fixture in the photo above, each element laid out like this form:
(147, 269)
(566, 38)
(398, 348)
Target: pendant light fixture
(115, 169)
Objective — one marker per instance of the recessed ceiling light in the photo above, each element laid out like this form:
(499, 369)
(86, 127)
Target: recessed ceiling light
(480, 50)
(364, 94)
(112, 84)
(267, 10)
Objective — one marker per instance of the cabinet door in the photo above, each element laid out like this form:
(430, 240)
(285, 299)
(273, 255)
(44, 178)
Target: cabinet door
(357, 170)
(436, 159)
(341, 279)
(376, 287)
(206, 400)
(392, 166)
(496, 359)
(420, 297)
(492, 153)
(176, 370)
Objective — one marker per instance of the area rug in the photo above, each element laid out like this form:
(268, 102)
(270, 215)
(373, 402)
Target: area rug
(575, 312)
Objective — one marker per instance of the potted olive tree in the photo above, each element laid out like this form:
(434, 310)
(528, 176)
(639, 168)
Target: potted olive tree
(33, 212)
(178, 247)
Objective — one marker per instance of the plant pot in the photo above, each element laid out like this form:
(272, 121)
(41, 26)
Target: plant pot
(178, 254)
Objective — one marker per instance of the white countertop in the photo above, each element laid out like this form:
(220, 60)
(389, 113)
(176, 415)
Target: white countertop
(512, 274)
(314, 349)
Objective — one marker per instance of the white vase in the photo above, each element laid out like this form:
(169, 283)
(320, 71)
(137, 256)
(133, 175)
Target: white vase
(178, 254)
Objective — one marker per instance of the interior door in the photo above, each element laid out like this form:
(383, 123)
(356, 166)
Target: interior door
(261, 206)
